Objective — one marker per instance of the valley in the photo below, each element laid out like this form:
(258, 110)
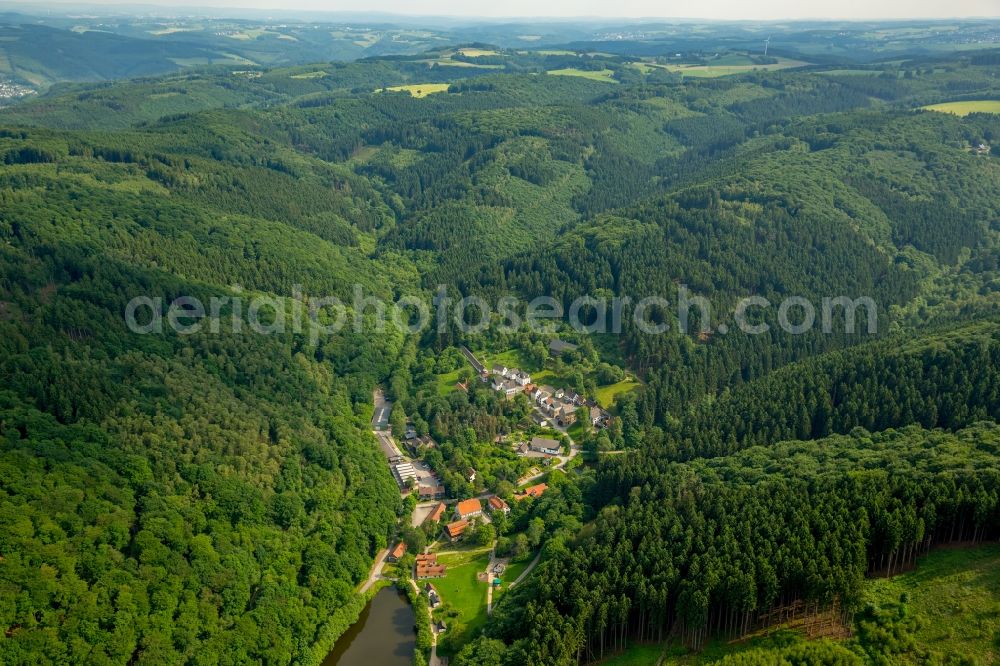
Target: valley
(709, 372)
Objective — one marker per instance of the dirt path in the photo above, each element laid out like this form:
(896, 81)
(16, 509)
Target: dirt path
(489, 592)
(471, 551)
(489, 578)
(434, 659)
(527, 571)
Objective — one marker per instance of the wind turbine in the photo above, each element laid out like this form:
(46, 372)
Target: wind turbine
(767, 42)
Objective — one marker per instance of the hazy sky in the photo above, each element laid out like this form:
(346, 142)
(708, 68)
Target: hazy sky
(714, 9)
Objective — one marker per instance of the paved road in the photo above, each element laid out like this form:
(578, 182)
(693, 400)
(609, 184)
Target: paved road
(573, 452)
(450, 502)
(380, 418)
(387, 444)
(376, 570)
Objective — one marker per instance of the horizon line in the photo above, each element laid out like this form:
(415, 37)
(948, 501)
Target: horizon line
(124, 5)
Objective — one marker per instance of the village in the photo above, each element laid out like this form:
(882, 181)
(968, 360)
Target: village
(560, 406)
(467, 554)
(460, 564)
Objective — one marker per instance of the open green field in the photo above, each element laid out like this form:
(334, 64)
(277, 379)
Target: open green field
(449, 62)
(477, 53)
(955, 594)
(420, 89)
(578, 430)
(447, 381)
(606, 395)
(605, 75)
(712, 71)
(510, 574)
(462, 592)
(310, 75)
(461, 553)
(649, 654)
(172, 30)
(513, 358)
(966, 107)
(255, 33)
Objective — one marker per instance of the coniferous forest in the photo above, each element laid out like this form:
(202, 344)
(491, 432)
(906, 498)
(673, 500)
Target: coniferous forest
(216, 495)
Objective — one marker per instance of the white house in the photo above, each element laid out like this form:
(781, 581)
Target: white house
(521, 378)
(545, 445)
(509, 388)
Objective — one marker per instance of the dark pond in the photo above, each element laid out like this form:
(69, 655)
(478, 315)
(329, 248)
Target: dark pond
(383, 636)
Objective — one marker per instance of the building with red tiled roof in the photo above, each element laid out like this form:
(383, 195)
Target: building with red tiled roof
(436, 514)
(454, 531)
(397, 552)
(430, 570)
(427, 566)
(468, 508)
(533, 491)
(497, 504)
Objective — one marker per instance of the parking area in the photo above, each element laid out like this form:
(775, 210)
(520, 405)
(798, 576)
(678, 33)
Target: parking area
(420, 513)
(383, 408)
(388, 447)
(425, 475)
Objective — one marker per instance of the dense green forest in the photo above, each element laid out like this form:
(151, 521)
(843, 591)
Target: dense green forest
(710, 546)
(205, 497)
(216, 496)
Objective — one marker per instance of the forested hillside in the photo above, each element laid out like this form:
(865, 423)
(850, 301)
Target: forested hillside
(217, 496)
(180, 497)
(710, 547)
(946, 380)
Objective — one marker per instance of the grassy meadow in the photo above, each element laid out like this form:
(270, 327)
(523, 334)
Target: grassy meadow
(605, 75)
(420, 89)
(464, 596)
(955, 594)
(965, 108)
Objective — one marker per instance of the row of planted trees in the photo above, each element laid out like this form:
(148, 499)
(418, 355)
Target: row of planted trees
(724, 546)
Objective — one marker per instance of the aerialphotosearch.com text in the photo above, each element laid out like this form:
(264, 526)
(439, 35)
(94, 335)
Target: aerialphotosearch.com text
(655, 315)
